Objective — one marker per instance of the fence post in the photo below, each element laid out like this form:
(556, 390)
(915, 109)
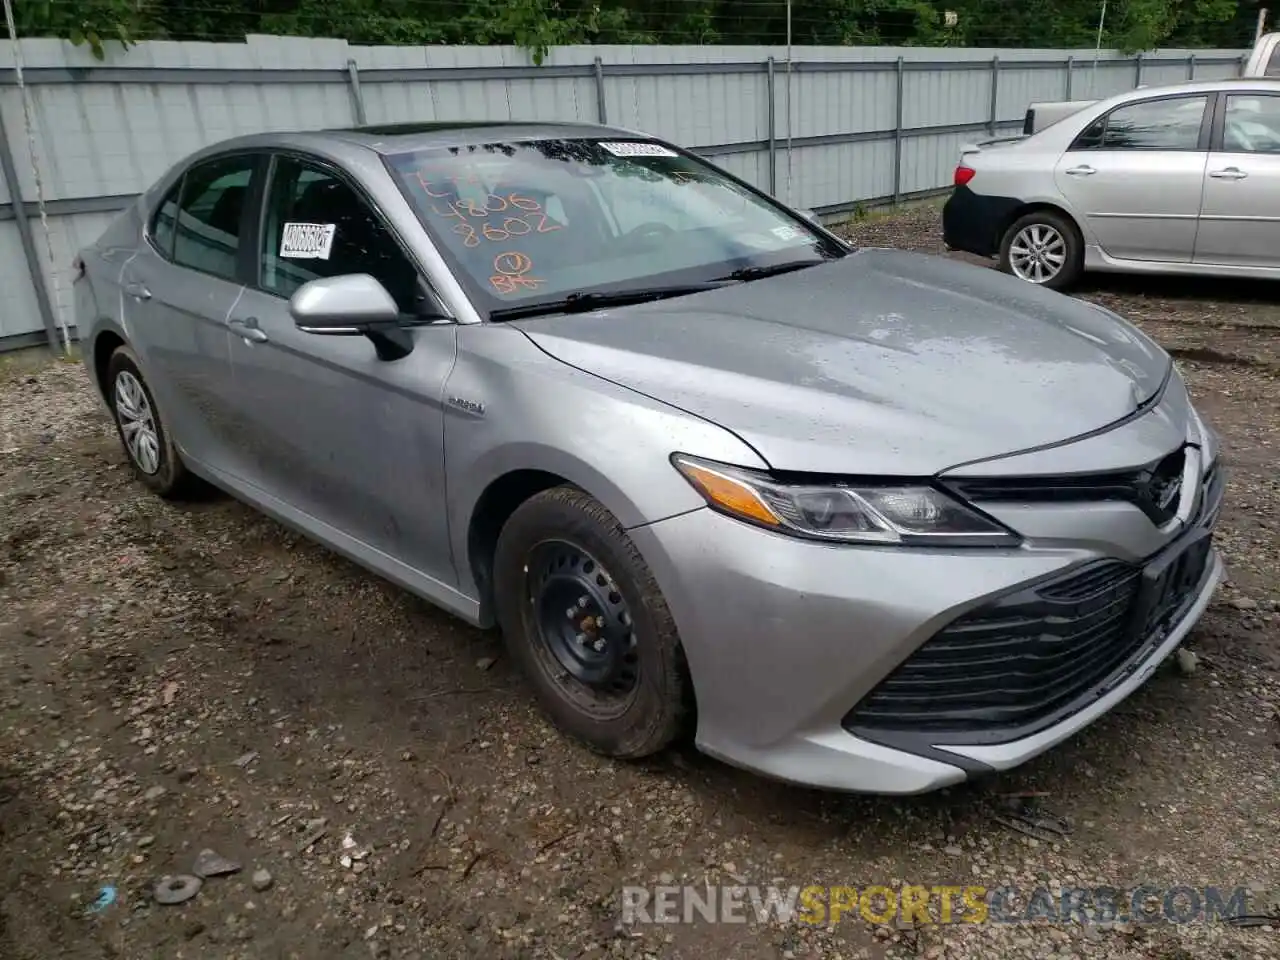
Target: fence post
(10, 171)
(773, 130)
(1137, 69)
(1191, 67)
(995, 93)
(602, 112)
(897, 139)
(357, 98)
(1071, 63)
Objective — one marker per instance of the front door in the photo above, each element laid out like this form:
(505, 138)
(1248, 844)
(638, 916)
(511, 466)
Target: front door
(354, 443)
(178, 292)
(1240, 220)
(1135, 175)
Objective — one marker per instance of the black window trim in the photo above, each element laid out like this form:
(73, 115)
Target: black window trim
(1210, 97)
(1217, 143)
(246, 219)
(253, 274)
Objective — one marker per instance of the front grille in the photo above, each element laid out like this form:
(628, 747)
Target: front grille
(1014, 663)
(1031, 658)
(1143, 487)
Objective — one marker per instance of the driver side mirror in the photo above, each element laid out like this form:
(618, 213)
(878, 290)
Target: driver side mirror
(353, 305)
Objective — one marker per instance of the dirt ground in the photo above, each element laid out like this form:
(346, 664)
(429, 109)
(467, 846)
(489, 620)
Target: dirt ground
(174, 678)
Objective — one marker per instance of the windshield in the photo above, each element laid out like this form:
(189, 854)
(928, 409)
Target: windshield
(530, 222)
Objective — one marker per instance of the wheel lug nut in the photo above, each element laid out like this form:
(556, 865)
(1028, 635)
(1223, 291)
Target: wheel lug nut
(583, 601)
(599, 621)
(571, 612)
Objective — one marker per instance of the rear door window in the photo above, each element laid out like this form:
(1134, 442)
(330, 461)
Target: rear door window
(211, 215)
(1170, 123)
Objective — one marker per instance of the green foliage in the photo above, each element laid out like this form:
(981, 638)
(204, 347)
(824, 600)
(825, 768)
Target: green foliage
(539, 25)
(91, 23)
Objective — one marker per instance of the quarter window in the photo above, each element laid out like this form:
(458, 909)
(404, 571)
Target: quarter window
(1172, 123)
(1252, 124)
(162, 227)
(211, 214)
(317, 226)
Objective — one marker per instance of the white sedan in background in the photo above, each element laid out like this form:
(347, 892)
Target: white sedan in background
(1178, 179)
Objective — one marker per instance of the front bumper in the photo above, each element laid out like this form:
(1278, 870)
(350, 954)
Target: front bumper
(785, 638)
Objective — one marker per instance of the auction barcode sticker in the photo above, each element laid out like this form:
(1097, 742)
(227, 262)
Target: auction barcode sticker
(638, 149)
(307, 241)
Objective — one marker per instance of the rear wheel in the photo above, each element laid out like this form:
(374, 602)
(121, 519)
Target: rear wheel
(1043, 247)
(582, 616)
(142, 431)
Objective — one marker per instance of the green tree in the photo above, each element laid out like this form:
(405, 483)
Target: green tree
(538, 25)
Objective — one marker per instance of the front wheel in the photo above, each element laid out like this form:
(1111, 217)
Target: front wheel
(583, 617)
(1045, 248)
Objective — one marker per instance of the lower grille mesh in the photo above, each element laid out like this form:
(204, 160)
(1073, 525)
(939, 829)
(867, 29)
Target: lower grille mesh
(1013, 663)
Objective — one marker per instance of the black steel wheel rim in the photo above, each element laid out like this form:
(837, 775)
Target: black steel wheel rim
(582, 625)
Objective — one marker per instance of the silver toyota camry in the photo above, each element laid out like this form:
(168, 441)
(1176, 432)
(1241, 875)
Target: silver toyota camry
(854, 518)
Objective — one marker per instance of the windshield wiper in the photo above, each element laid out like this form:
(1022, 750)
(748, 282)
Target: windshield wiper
(757, 273)
(582, 302)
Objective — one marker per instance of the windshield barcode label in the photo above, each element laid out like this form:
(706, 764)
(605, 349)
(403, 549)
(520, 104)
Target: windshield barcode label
(638, 149)
(307, 241)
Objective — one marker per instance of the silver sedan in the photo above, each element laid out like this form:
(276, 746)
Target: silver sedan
(1179, 179)
(861, 519)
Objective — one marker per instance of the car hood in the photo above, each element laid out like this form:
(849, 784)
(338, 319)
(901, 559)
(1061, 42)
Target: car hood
(883, 362)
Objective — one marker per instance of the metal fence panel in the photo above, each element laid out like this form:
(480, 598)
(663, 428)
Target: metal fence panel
(21, 313)
(856, 119)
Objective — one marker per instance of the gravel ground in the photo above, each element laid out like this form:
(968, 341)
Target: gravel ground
(175, 678)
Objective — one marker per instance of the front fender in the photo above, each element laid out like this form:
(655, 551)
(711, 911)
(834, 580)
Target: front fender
(529, 411)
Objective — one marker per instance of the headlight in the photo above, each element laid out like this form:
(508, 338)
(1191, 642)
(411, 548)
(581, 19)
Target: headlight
(915, 514)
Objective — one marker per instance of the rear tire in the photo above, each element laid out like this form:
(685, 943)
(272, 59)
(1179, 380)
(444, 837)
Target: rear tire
(1043, 247)
(142, 431)
(583, 617)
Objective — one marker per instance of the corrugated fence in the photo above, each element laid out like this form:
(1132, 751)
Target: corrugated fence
(834, 129)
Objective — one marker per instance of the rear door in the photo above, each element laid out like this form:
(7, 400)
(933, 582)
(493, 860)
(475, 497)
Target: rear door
(1240, 222)
(1135, 176)
(178, 291)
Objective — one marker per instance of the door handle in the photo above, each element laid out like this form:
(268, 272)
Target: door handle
(247, 327)
(137, 290)
(1084, 170)
(1230, 173)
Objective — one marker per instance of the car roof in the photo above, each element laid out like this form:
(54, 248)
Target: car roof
(400, 137)
(394, 138)
(351, 147)
(1252, 84)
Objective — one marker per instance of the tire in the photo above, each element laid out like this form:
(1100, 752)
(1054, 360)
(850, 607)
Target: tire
(155, 463)
(561, 543)
(1062, 235)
